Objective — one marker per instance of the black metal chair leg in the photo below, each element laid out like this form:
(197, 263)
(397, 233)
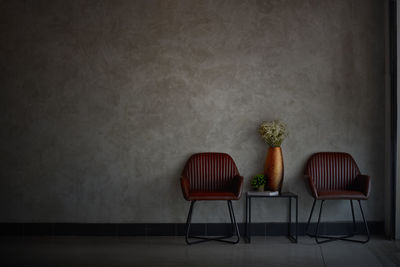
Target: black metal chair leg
(354, 219)
(230, 216)
(309, 219)
(290, 217)
(247, 220)
(234, 222)
(220, 238)
(333, 238)
(319, 220)
(346, 238)
(328, 238)
(188, 220)
(365, 223)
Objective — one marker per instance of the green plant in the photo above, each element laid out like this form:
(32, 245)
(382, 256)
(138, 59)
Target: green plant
(273, 132)
(258, 180)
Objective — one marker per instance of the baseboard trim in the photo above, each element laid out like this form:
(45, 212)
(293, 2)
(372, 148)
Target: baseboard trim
(171, 229)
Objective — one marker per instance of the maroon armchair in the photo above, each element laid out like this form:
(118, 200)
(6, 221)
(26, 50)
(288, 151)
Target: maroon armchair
(334, 176)
(211, 176)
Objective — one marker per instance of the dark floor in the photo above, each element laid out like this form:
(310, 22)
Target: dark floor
(172, 251)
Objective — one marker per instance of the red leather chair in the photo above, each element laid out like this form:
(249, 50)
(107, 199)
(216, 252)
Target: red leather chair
(334, 176)
(211, 176)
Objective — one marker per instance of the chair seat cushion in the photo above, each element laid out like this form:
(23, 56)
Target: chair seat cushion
(342, 194)
(212, 196)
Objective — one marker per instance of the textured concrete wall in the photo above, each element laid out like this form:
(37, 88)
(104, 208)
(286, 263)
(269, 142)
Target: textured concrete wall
(102, 102)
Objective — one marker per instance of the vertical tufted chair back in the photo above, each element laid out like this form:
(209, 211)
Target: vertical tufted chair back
(210, 172)
(332, 170)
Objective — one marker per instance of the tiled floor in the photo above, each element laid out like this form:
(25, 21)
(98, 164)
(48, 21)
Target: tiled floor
(172, 251)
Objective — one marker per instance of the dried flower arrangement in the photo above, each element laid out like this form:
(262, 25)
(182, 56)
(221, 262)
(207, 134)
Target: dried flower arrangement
(273, 132)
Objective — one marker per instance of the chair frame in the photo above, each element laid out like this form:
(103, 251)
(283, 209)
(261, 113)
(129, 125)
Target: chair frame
(235, 228)
(227, 170)
(328, 238)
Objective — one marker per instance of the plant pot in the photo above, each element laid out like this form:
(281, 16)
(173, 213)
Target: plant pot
(260, 188)
(273, 169)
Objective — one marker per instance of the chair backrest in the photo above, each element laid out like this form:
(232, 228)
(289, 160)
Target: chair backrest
(210, 172)
(332, 170)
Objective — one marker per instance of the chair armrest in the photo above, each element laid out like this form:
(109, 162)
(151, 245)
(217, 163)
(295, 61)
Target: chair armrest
(311, 184)
(185, 185)
(362, 183)
(237, 185)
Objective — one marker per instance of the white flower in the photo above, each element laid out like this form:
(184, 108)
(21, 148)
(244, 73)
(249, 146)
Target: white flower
(273, 132)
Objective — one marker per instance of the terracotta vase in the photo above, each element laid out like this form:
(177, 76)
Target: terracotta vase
(273, 169)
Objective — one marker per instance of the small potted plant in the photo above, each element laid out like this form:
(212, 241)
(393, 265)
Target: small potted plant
(258, 181)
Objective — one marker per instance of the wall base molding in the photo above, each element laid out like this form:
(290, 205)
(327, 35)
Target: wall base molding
(171, 229)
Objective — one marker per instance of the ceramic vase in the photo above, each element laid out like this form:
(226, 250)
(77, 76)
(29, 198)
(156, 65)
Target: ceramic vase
(273, 169)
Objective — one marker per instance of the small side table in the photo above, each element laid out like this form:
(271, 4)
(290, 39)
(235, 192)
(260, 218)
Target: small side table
(289, 195)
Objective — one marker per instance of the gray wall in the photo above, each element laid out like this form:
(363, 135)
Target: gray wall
(102, 102)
